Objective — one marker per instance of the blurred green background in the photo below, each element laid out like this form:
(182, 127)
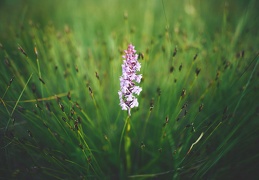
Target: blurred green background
(51, 50)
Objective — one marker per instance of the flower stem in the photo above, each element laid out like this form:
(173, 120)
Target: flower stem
(123, 130)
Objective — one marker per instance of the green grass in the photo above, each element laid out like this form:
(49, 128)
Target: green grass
(60, 67)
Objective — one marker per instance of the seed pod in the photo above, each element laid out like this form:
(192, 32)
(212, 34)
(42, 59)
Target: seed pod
(180, 67)
(183, 93)
(151, 104)
(184, 106)
(64, 119)
(195, 57)
(41, 80)
(77, 105)
(61, 106)
(96, 75)
(140, 55)
(171, 69)
(11, 80)
(76, 125)
(79, 119)
(158, 91)
(197, 71)
(22, 51)
(90, 90)
(29, 133)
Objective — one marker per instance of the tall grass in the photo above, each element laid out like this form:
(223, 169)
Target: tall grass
(60, 69)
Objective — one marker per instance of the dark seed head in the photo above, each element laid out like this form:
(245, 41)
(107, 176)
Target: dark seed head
(90, 90)
(76, 126)
(195, 57)
(64, 119)
(22, 51)
(96, 75)
(11, 80)
(185, 105)
(197, 71)
(77, 105)
(183, 93)
(171, 69)
(41, 80)
(61, 106)
(158, 90)
(151, 104)
(29, 133)
(180, 67)
(141, 55)
(69, 96)
(185, 112)
(79, 120)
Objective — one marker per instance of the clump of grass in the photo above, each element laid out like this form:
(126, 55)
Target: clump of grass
(60, 113)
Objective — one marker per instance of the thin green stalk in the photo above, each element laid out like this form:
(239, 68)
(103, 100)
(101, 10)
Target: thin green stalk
(145, 125)
(122, 133)
(243, 93)
(17, 102)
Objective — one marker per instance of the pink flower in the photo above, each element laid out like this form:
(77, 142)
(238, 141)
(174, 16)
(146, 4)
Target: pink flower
(128, 79)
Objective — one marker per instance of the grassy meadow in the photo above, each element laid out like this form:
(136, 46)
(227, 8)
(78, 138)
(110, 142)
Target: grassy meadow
(60, 64)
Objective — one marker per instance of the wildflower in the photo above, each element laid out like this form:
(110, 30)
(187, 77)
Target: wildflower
(128, 79)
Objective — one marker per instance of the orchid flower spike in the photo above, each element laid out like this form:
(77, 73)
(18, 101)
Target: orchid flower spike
(128, 80)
